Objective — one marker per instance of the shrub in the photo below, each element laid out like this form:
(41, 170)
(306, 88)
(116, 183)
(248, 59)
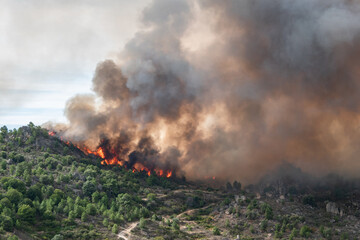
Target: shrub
(105, 222)
(58, 237)
(115, 229)
(91, 209)
(26, 213)
(216, 231)
(309, 200)
(293, 234)
(7, 223)
(269, 213)
(305, 231)
(14, 195)
(88, 188)
(142, 223)
(252, 230)
(13, 237)
(263, 225)
(175, 225)
(151, 197)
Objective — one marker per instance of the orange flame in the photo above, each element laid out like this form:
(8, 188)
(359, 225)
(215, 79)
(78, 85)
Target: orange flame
(138, 167)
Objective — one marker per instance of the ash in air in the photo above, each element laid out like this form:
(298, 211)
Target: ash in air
(230, 89)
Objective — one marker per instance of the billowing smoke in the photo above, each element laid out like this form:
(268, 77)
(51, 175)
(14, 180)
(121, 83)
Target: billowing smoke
(231, 89)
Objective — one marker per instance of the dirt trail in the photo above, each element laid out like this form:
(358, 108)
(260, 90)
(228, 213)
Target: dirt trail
(191, 211)
(126, 233)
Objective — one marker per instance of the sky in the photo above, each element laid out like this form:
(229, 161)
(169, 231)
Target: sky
(49, 51)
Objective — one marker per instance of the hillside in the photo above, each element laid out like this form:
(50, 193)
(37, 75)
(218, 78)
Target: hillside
(52, 190)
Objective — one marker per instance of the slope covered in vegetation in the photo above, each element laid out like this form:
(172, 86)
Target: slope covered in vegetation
(52, 190)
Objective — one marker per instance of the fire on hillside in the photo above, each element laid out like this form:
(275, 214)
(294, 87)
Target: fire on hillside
(111, 158)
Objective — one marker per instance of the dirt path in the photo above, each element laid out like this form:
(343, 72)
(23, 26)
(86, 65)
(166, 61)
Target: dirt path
(191, 211)
(126, 233)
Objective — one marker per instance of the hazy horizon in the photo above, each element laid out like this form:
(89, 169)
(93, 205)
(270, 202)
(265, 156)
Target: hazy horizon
(49, 52)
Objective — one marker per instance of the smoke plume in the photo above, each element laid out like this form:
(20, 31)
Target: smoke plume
(267, 82)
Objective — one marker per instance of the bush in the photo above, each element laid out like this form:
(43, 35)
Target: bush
(252, 215)
(84, 217)
(115, 229)
(9, 182)
(58, 237)
(47, 180)
(88, 188)
(91, 209)
(293, 234)
(269, 213)
(14, 195)
(13, 237)
(305, 231)
(175, 226)
(34, 192)
(151, 197)
(216, 231)
(105, 222)
(18, 158)
(142, 223)
(263, 225)
(26, 213)
(7, 223)
(309, 200)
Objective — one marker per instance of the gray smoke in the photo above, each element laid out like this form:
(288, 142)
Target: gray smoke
(279, 82)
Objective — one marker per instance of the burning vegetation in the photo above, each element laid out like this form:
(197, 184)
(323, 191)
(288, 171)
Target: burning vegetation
(110, 157)
(262, 83)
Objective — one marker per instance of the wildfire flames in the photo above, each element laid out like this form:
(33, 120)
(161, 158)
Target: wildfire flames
(262, 83)
(114, 159)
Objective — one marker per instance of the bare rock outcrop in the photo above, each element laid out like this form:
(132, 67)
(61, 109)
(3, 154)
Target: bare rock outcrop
(333, 208)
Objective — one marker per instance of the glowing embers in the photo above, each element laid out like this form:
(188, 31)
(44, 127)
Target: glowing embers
(138, 167)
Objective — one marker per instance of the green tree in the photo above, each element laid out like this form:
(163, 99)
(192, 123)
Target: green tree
(84, 217)
(309, 200)
(5, 202)
(175, 225)
(115, 229)
(57, 196)
(14, 195)
(7, 223)
(216, 231)
(91, 209)
(142, 223)
(58, 237)
(34, 192)
(305, 231)
(13, 237)
(151, 197)
(263, 225)
(26, 213)
(269, 213)
(10, 182)
(293, 234)
(105, 222)
(89, 188)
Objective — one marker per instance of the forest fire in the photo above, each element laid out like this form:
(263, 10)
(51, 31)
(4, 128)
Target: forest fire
(51, 133)
(112, 159)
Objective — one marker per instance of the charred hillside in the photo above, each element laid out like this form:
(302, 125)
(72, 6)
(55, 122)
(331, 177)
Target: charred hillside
(51, 189)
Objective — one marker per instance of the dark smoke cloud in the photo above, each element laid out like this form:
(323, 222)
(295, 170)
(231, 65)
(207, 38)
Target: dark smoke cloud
(280, 82)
